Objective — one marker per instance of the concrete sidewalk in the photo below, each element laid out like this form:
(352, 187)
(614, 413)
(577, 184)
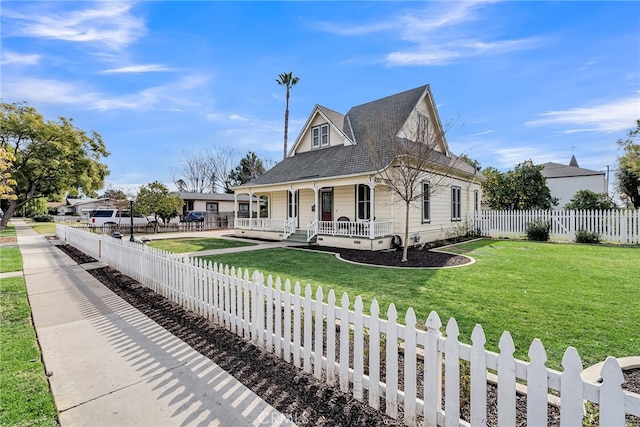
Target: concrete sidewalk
(110, 365)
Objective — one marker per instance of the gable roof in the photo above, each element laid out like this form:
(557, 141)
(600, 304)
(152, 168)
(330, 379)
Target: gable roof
(369, 123)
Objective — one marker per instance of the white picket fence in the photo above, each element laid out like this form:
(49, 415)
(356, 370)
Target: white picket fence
(395, 367)
(613, 226)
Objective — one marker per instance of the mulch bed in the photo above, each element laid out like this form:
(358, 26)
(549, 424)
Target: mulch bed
(299, 396)
(417, 258)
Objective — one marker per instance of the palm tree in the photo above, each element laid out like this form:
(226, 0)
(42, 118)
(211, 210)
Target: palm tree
(287, 80)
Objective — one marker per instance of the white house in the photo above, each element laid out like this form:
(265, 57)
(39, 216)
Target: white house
(331, 191)
(565, 180)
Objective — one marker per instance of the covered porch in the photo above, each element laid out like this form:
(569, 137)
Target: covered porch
(353, 213)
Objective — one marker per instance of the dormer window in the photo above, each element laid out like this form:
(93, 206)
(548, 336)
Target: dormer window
(320, 136)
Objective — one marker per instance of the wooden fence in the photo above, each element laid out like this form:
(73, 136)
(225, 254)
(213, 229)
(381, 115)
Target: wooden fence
(613, 226)
(395, 367)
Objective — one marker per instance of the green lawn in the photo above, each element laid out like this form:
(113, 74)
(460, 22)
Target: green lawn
(567, 295)
(25, 397)
(9, 231)
(48, 228)
(10, 259)
(196, 244)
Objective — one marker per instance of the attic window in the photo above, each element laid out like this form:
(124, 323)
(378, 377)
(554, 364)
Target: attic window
(320, 136)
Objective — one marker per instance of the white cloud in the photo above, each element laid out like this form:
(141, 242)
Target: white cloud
(47, 91)
(9, 57)
(437, 35)
(139, 68)
(106, 23)
(613, 116)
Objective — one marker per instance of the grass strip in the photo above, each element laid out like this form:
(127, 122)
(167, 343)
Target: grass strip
(196, 244)
(25, 396)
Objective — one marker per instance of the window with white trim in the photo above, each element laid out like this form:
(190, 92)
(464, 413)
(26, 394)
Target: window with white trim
(456, 203)
(476, 201)
(426, 202)
(320, 136)
(363, 202)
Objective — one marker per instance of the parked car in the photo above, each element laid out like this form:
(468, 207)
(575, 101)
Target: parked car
(112, 219)
(194, 216)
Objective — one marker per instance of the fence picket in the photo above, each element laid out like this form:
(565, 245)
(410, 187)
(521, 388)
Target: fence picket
(506, 381)
(269, 303)
(319, 328)
(410, 373)
(287, 321)
(331, 338)
(571, 389)
(432, 370)
(391, 363)
(611, 394)
(296, 325)
(374, 356)
(344, 344)
(307, 329)
(358, 350)
(537, 385)
(278, 313)
(478, 378)
(452, 374)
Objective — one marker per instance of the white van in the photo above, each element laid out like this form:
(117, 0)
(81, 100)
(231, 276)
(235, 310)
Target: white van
(112, 219)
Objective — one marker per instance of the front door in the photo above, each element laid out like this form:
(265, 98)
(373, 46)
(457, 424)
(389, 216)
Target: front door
(327, 205)
(292, 206)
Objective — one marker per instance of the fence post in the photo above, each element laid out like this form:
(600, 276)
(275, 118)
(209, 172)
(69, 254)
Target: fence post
(432, 370)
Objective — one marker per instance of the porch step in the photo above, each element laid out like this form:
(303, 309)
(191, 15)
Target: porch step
(300, 237)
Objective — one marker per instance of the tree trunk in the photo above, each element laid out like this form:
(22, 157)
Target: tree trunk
(12, 208)
(405, 249)
(286, 125)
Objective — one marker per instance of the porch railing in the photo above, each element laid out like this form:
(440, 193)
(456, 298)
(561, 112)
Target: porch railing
(366, 229)
(312, 230)
(261, 224)
(289, 227)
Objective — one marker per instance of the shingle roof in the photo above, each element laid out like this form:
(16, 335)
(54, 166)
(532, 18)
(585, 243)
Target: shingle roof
(557, 170)
(369, 123)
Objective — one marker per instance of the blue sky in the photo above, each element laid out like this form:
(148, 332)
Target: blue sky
(516, 80)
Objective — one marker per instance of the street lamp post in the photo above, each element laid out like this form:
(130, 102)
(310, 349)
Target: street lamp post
(131, 239)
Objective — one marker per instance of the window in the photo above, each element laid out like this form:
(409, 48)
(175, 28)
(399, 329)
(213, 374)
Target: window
(264, 207)
(456, 203)
(212, 207)
(476, 201)
(363, 202)
(426, 203)
(320, 136)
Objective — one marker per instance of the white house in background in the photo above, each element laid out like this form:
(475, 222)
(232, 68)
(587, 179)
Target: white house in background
(83, 207)
(215, 203)
(565, 180)
(329, 191)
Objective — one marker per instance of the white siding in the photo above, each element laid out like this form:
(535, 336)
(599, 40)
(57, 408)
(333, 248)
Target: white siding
(564, 188)
(335, 138)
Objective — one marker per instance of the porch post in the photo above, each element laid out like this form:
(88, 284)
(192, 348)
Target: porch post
(372, 221)
(235, 210)
(317, 205)
(251, 209)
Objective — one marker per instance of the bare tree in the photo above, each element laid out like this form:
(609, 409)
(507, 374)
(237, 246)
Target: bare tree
(407, 159)
(204, 171)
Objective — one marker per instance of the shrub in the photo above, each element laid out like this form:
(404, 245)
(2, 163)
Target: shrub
(42, 218)
(538, 230)
(583, 236)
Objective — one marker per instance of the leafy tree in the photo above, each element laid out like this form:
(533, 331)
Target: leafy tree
(522, 188)
(250, 167)
(35, 206)
(7, 183)
(628, 173)
(155, 198)
(471, 162)
(590, 200)
(51, 157)
(288, 81)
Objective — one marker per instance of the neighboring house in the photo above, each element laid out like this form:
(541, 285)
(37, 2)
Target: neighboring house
(328, 190)
(83, 207)
(216, 203)
(565, 180)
